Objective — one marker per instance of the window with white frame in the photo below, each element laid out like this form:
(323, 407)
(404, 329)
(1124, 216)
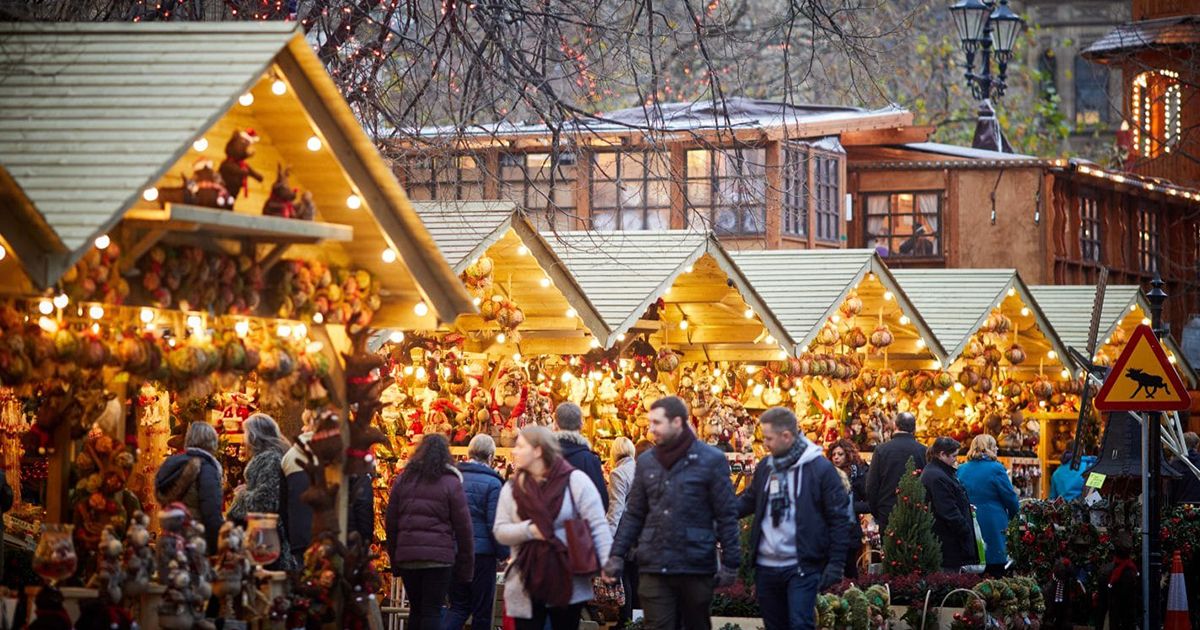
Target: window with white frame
(525, 179)
(827, 212)
(795, 189)
(455, 177)
(631, 190)
(1147, 239)
(905, 224)
(726, 189)
(1089, 229)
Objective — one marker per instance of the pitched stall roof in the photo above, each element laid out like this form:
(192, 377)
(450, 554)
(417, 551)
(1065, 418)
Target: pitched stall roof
(1131, 37)
(92, 114)
(521, 259)
(957, 302)
(804, 288)
(1069, 309)
(623, 273)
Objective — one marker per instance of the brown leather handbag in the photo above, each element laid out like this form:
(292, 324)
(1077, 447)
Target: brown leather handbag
(581, 549)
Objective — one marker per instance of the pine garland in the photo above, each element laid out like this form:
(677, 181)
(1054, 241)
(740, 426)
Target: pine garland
(908, 543)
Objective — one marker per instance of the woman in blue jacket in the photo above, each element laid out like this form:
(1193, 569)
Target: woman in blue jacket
(992, 494)
(482, 486)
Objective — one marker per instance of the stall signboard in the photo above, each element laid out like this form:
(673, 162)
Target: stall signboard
(1143, 379)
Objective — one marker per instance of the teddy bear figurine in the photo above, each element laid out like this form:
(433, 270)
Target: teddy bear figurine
(234, 169)
(233, 568)
(139, 558)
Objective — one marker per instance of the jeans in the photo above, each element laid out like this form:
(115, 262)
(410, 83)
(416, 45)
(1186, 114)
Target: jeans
(564, 618)
(473, 601)
(674, 601)
(629, 580)
(426, 590)
(786, 598)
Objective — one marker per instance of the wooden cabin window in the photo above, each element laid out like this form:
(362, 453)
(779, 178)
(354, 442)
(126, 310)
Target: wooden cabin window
(631, 190)
(905, 224)
(1091, 93)
(826, 183)
(1147, 239)
(457, 177)
(726, 189)
(525, 180)
(1089, 229)
(1156, 104)
(795, 189)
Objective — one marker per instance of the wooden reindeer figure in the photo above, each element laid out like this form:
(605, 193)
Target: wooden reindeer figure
(364, 387)
(320, 496)
(282, 202)
(235, 169)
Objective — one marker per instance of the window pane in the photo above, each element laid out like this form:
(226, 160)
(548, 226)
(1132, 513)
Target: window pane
(658, 194)
(604, 220)
(726, 220)
(604, 194)
(699, 193)
(658, 219)
(877, 205)
(903, 224)
(631, 220)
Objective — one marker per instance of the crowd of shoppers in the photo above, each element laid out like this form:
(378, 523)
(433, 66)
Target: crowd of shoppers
(664, 522)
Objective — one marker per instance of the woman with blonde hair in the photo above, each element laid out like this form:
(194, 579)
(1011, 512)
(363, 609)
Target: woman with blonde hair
(991, 492)
(622, 461)
(264, 484)
(535, 504)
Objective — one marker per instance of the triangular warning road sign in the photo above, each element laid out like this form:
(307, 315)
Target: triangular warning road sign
(1143, 379)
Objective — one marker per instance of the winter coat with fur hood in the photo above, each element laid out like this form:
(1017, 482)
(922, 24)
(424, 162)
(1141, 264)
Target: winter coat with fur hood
(194, 478)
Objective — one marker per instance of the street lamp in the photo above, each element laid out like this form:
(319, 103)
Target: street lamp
(990, 28)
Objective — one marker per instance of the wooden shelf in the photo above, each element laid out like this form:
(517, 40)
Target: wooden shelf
(230, 224)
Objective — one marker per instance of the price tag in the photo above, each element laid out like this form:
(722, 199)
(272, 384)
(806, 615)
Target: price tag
(1096, 480)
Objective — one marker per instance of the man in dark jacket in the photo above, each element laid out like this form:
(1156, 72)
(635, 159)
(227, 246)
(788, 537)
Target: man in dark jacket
(801, 524)
(887, 466)
(952, 523)
(482, 484)
(568, 422)
(680, 505)
(1187, 488)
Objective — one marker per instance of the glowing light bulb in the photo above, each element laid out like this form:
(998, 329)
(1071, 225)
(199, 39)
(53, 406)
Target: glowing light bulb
(1065, 373)
(96, 311)
(545, 282)
(3, 252)
(150, 194)
(194, 322)
(279, 88)
(61, 300)
(748, 313)
(683, 324)
(1171, 359)
(937, 364)
(246, 100)
(958, 387)
(421, 309)
(516, 356)
(201, 144)
(1012, 291)
(408, 370)
(751, 369)
(314, 347)
(283, 330)
(103, 241)
(354, 202)
(45, 307)
(566, 377)
(47, 324)
(689, 269)
(147, 315)
(396, 336)
(313, 144)
(904, 320)
(1145, 321)
(920, 343)
(1024, 311)
(594, 343)
(522, 250)
(242, 328)
(621, 337)
(887, 296)
(758, 389)
(770, 340)
(571, 313)
(477, 301)
(1052, 355)
(501, 338)
(388, 255)
(1133, 307)
(300, 331)
(421, 373)
(318, 318)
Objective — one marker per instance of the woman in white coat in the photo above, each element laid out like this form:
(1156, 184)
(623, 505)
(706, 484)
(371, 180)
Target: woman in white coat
(544, 493)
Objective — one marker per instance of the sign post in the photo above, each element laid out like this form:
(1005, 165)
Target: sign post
(1143, 380)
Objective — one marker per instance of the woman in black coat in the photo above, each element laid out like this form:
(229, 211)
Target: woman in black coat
(195, 479)
(952, 522)
(844, 455)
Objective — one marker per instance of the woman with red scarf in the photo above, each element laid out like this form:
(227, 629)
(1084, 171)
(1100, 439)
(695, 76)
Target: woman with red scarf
(544, 493)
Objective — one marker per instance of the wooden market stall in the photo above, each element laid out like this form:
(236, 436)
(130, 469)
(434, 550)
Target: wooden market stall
(149, 286)
(1015, 380)
(846, 304)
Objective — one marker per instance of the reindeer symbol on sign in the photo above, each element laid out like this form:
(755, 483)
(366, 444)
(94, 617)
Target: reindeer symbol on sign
(1148, 382)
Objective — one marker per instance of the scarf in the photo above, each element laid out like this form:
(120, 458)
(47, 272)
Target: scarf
(670, 453)
(543, 563)
(780, 498)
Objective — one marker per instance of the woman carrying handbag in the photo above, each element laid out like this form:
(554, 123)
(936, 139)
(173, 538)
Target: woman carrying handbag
(551, 516)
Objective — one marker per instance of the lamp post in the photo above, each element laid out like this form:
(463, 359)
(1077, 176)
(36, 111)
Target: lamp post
(1152, 482)
(988, 28)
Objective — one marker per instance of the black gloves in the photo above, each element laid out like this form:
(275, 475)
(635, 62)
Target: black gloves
(832, 575)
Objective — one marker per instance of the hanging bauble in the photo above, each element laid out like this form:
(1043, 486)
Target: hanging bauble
(1015, 354)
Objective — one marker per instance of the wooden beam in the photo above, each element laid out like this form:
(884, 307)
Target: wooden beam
(181, 217)
(149, 239)
(273, 256)
(895, 135)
